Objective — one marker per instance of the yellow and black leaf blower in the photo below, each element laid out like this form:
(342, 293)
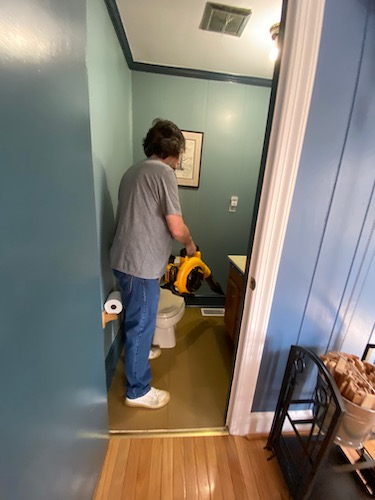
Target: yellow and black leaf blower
(187, 277)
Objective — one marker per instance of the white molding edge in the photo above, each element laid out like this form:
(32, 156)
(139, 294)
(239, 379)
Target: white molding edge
(261, 422)
(297, 73)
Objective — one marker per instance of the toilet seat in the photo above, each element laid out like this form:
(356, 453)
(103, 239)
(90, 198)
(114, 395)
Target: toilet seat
(169, 304)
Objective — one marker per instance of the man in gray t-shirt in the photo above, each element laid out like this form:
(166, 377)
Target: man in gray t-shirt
(143, 243)
(148, 219)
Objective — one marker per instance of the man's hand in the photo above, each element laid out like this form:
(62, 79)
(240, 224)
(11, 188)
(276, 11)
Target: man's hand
(191, 248)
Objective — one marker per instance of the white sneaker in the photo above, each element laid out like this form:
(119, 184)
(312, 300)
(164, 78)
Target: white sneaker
(155, 352)
(153, 399)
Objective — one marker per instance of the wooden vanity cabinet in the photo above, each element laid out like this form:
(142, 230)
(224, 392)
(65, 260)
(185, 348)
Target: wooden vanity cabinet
(233, 301)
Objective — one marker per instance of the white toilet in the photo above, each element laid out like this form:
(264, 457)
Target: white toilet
(170, 311)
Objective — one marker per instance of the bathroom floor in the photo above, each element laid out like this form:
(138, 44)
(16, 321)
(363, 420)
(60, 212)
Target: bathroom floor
(197, 373)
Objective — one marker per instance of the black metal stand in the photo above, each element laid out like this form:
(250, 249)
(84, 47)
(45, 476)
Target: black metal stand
(301, 443)
(308, 414)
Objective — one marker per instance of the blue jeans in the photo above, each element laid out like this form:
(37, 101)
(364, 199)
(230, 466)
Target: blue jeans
(140, 298)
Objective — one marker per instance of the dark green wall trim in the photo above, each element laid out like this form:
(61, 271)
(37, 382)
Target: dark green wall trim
(203, 75)
(169, 70)
(121, 35)
(113, 356)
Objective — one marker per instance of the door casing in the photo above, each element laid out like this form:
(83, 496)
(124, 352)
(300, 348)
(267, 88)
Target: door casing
(303, 30)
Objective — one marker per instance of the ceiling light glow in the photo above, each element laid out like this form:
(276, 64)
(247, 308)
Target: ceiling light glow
(274, 52)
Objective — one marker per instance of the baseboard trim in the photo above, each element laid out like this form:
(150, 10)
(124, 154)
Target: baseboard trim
(205, 301)
(261, 422)
(113, 356)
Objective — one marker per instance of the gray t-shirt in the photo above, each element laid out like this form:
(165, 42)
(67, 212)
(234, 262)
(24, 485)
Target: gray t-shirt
(142, 243)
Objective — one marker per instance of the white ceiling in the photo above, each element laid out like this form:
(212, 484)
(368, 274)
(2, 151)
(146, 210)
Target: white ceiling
(166, 33)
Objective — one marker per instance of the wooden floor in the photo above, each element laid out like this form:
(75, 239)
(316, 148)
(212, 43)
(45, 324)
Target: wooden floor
(203, 467)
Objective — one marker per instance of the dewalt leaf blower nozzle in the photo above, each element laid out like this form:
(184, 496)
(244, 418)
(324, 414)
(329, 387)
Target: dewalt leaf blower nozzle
(187, 277)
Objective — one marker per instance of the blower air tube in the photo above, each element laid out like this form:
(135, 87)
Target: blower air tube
(214, 285)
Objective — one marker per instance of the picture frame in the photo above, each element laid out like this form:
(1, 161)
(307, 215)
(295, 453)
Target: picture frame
(188, 169)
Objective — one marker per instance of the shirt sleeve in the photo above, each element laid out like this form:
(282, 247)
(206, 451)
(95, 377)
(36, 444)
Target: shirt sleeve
(170, 200)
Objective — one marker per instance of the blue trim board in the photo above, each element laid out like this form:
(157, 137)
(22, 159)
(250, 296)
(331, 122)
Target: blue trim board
(169, 70)
(113, 356)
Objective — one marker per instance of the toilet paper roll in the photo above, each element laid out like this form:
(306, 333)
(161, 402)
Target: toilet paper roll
(113, 304)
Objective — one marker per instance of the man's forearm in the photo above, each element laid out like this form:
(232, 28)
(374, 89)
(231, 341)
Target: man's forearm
(181, 233)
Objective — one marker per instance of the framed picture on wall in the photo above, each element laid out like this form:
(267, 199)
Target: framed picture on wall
(188, 170)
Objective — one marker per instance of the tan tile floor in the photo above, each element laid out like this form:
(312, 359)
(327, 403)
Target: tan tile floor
(197, 373)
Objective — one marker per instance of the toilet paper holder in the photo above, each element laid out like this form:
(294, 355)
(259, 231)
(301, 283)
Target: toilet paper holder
(112, 308)
(107, 317)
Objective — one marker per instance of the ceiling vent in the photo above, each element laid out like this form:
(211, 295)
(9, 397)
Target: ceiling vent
(224, 19)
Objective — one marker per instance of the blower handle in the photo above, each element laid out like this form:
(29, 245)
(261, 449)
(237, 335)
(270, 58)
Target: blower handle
(183, 251)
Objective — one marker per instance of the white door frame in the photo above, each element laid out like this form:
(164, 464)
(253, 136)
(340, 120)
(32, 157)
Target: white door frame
(297, 73)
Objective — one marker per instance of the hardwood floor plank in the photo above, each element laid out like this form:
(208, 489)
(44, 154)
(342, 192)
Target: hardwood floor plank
(224, 468)
(262, 469)
(118, 474)
(264, 490)
(144, 467)
(201, 467)
(190, 470)
(235, 469)
(154, 487)
(213, 469)
(106, 476)
(278, 489)
(167, 470)
(179, 478)
(131, 472)
(241, 444)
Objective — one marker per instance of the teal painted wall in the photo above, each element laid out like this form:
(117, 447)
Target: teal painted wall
(232, 118)
(110, 93)
(324, 297)
(53, 417)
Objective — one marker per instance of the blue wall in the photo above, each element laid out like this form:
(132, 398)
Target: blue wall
(110, 93)
(53, 418)
(324, 296)
(232, 118)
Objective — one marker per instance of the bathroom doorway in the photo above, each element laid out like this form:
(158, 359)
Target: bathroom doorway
(191, 367)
